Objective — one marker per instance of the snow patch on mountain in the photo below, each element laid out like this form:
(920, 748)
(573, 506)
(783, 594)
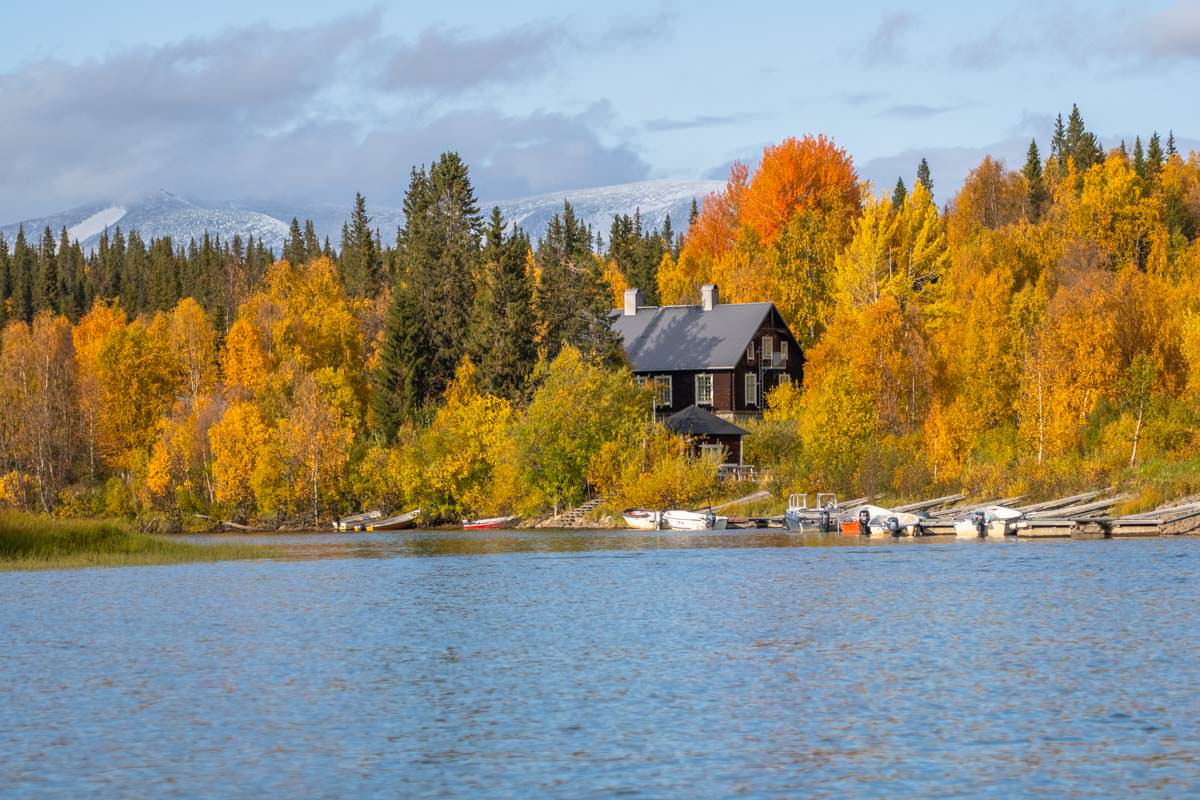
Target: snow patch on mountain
(166, 214)
(96, 223)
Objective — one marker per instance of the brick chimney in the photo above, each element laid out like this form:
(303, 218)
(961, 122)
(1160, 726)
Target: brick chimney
(633, 299)
(708, 296)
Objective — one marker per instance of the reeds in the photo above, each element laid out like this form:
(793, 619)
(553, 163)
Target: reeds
(32, 541)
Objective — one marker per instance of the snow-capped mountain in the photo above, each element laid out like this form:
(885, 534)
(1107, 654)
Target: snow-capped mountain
(159, 214)
(163, 214)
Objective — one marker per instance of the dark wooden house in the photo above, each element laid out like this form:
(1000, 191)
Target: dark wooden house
(723, 358)
(705, 431)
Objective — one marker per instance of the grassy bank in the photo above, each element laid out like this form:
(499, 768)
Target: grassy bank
(30, 541)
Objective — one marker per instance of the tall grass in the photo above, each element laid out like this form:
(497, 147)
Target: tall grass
(31, 541)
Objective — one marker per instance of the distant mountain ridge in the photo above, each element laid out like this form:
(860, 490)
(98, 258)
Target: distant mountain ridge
(165, 214)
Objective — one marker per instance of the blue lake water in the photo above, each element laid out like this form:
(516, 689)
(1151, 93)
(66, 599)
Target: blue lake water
(610, 664)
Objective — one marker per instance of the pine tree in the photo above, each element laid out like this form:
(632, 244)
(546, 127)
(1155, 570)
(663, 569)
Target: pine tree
(361, 264)
(438, 255)
(294, 251)
(503, 328)
(899, 194)
(1139, 158)
(1037, 186)
(1171, 144)
(693, 213)
(573, 301)
(924, 177)
(401, 381)
(1124, 152)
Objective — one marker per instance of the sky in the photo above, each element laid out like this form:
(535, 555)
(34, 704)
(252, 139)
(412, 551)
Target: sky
(291, 101)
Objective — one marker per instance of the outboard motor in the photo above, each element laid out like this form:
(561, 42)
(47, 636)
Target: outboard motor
(824, 521)
(864, 522)
(893, 526)
(710, 519)
(979, 518)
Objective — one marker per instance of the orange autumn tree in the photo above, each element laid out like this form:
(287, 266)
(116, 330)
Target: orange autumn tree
(774, 235)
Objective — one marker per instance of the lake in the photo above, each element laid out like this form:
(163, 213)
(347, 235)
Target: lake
(603, 664)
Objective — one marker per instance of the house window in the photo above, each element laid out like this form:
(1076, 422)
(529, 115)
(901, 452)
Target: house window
(662, 390)
(704, 389)
(750, 352)
(751, 389)
(783, 351)
(767, 350)
(715, 451)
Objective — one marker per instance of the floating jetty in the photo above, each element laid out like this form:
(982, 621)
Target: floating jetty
(1078, 516)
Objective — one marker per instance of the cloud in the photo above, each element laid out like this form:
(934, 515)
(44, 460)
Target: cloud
(700, 121)
(914, 111)
(886, 46)
(451, 60)
(1172, 33)
(284, 112)
(440, 59)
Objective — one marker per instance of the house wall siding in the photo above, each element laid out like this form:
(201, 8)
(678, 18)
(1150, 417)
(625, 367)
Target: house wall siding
(729, 386)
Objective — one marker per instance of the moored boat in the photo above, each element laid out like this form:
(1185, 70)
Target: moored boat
(397, 523)
(356, 522)
(799, 517)
(877, 521)
(642, 519)
(993, 521)
(679, 520)
(489, 523)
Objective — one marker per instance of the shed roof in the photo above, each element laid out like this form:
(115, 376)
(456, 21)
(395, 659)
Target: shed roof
(695, 421)
(668, 338)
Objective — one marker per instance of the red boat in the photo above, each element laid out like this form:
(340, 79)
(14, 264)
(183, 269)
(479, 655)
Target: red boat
(489, 524)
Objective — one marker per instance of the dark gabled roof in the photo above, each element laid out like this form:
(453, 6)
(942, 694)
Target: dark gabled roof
(667, 338)
(695, 421)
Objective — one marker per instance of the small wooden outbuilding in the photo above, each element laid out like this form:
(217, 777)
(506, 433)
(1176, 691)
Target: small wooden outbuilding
(705, 431)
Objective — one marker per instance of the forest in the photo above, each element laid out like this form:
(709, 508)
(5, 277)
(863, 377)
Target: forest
(1038, 332)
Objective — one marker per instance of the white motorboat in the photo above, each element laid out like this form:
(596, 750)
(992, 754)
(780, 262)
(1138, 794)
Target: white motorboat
(677, 520)
(992, 521)
(643, 519)
(880, 522)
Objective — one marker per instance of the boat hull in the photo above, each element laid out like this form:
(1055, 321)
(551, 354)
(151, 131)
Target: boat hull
(640, 520)
(693, 521)
(492, 523)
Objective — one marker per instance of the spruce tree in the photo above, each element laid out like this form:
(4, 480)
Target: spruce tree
(924, 177)
(693, 213)
(1139, 158)
(46, 297)
(1154, 155)
(1033, 177)
(5, 280)
(438, 255)
(503, 326)
(573, 302)
(294, 251)
(899, 194)
(312, 245)
(1058, 142)
(401, 381)
(24, 268)
(361, 264)
(1171, 144)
